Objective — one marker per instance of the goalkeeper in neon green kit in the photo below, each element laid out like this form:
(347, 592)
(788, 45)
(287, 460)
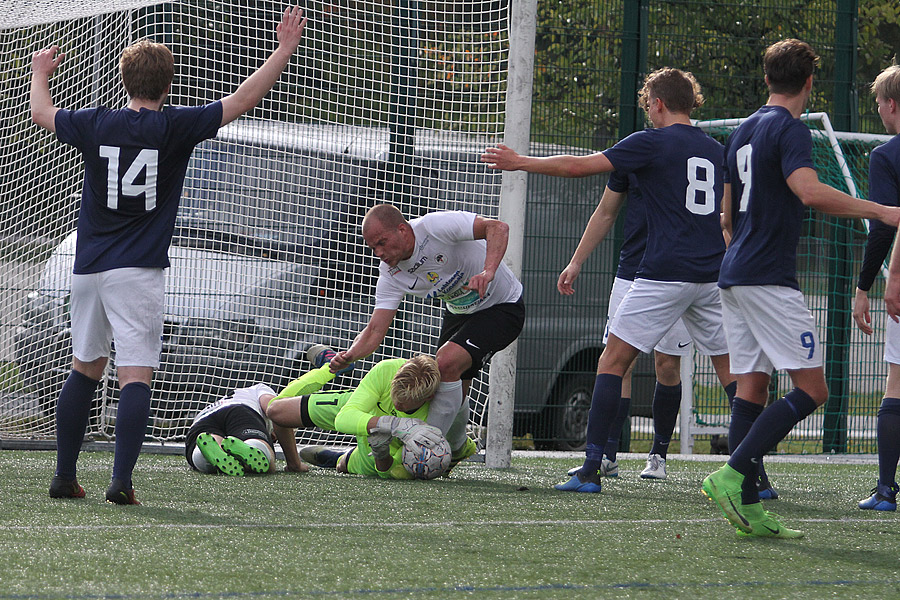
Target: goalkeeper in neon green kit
(385, 412)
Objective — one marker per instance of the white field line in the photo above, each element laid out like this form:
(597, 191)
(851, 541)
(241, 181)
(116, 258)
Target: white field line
(530, 523)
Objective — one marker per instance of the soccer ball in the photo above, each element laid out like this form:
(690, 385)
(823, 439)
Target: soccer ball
(427, 463)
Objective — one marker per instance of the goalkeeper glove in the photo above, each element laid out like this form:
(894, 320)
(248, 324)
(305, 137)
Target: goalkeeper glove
(409, 431)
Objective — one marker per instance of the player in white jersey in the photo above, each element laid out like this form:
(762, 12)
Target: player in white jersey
(135, 160)
(234, 435)
(677, 168)
(884, 188)
(770, 180)
(456, 257)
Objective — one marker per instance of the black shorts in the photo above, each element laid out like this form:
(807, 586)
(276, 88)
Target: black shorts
(484, 332)
(238, 421)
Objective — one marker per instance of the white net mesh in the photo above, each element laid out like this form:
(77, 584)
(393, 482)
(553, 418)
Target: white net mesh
(381, 103)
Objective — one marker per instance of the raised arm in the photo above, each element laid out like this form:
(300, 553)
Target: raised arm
(496, 234)
(598, 227)
(249, 93)
(562, 165)
(43, 64)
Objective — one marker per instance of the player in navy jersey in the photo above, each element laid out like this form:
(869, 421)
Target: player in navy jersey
(770, 180)
(884, 188)
(667, 354)
(134, 161)
(677, 169)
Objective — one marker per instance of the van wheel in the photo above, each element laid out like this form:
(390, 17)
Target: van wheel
(569, 412)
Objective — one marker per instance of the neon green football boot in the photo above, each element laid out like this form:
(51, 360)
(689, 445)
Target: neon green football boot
(724, 488)
(766, 524)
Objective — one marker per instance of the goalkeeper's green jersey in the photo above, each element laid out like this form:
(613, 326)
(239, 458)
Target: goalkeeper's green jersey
(372, 398)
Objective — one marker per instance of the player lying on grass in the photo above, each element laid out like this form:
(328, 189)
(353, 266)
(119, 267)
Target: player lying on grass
(386, 412)
(233, 436)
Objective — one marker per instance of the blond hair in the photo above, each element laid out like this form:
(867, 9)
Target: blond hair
(887, 84)
(415, 382)
(147, 69)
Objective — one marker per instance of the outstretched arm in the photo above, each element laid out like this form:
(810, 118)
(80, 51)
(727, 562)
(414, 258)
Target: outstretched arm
(249, 93)
(562, 165)
(43, 64)
(813, 193)
(598, 227)
(367, 341)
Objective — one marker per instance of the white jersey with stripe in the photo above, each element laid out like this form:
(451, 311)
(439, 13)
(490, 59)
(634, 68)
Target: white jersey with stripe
(445, 256)
(248, 397)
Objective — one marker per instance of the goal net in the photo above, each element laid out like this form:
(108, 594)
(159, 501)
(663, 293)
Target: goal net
(383, 102)
(828, 258)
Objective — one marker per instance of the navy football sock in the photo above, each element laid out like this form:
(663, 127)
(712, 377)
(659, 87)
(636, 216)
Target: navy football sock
(888, 440)
(666, 402)
(770, 428)
(72, 413)
(615, 431)
(730, 391)
(604, 408)
(743, 415)
(131, 426)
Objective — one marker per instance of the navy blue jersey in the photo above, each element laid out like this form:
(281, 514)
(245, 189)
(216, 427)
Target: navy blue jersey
(678, 172)
(766, 216)
(134, 165)
(634, 228)
(884, 188)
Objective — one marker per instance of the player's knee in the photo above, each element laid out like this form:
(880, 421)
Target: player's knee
(452, 364)
(279, 410)
(200, 463)
(263, 447)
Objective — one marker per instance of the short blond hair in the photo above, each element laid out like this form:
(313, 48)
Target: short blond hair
(416, 381)
(147, 69)
(887, 84)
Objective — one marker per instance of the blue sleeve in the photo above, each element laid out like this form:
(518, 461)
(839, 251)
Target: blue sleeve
(196, 123)
(796, 148)
(633, 152)
(883, 189)
(618, 182)
(73, 126)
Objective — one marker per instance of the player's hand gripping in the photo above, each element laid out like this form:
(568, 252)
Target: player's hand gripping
(409, 431)
(502, 157)
(290, 30)
(45, 61)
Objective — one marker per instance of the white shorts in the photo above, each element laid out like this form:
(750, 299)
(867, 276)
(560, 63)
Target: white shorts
(891, 341)
(769, 327)
(651, 308)
(676, 342)
(125, 305)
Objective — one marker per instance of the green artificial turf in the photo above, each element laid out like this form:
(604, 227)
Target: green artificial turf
(482, 533)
